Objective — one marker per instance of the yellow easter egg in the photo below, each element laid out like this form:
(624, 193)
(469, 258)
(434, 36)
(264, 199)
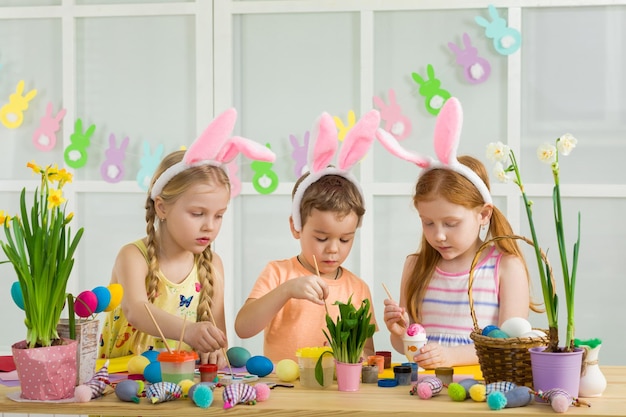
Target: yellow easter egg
(287, 370)
(117, 291)
(137, 364)
(185, 384)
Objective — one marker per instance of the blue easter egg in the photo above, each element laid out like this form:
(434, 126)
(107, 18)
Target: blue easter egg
(151, 355)
(104, 298)
(489, 328)
(259, 365)
(152, 372)
(238, 356)
(16, 294)
(498, 334)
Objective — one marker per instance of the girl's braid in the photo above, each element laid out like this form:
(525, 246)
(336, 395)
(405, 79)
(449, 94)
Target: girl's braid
(205, 276)
(152, 248)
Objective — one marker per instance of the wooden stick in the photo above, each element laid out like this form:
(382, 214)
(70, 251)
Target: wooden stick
(391, 298)
(158, 328)
(182, 333)
(230, 368)
(317, 270)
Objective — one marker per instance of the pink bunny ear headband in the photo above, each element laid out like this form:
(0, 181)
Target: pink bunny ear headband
(215, 147)
(447, 135)
(323, 144)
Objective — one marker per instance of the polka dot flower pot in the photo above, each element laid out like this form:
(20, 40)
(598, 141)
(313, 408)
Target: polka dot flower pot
(46, 373)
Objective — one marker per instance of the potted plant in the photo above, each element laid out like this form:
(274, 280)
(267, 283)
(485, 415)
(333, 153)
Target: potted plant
(346, 338)
(506, 163)
(40, 246)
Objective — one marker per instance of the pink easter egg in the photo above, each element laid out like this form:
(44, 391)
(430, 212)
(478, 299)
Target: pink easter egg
(85, 304)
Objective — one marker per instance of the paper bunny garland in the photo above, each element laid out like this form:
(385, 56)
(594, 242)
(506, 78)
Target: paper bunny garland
(215, 147)
(447, 134)
(323, 144)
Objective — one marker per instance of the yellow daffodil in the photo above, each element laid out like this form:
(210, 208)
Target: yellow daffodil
(4, 217)
(36, 168)
(55, 199)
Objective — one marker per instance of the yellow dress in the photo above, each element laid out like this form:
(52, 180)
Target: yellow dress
(120, 338)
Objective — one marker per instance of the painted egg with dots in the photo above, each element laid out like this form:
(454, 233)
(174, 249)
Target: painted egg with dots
(117, 291)
(259, 365)
(85, 304)
(104, 298)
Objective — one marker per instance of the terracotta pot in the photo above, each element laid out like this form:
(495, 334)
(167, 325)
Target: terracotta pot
(556, 370)
(46, 373)
(348, 376)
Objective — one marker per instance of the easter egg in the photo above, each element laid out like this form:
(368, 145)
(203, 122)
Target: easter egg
(489, 328)
(137, 364)
(104, 298)
(497, 334)
(16, 294)
(152, 372)
(534, 334)
(127, 390)
(238, 356)
(117, 291)
(85, 304)
(151, 355)
(516, 326)
(259, 365)
(287, 370)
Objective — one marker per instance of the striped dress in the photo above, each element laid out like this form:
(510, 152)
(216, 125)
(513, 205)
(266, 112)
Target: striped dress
(445, 310)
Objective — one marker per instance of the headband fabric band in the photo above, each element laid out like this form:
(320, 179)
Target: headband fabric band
(323, 144)
(214, 147)
(446, 140)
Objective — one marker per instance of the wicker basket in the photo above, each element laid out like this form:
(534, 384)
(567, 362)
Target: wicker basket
(503, 359)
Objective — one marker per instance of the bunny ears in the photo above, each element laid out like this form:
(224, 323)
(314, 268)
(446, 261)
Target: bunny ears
(323, 144)
(447, 135)
(214, 147)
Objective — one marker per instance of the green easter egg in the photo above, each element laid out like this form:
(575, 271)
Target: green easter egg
(497, 334)
(238, 356)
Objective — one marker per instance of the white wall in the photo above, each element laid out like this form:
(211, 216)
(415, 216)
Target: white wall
(158, 72)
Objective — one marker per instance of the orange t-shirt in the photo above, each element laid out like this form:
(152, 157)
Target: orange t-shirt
(300, 322)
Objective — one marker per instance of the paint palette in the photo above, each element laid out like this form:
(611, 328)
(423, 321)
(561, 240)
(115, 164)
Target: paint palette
(239, 377)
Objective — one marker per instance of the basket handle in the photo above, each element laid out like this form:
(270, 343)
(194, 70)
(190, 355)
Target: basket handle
(482, 247)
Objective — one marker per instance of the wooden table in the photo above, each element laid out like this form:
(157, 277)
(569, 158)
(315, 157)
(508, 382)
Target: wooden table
(370, 400)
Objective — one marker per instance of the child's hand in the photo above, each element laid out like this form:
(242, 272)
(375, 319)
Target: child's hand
(204, 337)
(218, 358)
(395, 317)
(311, 288)
(433, 355)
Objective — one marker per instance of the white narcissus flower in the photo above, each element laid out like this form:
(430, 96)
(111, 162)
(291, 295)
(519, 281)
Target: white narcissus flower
(498, 152)
(500, 173)
(546, 153)
(566, 143)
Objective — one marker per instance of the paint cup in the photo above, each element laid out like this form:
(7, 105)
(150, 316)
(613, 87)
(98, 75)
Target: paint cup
(177, 365)
(307, 359)
(387, 356)
(208, 372)
(377, 360)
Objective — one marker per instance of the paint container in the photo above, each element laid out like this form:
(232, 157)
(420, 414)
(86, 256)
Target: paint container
(387, 356)
(307, 358)
(208, 372)
(413, 366)
(369, 374)
(377, 360)
(402, 374)
(177, 365)
(446, 375)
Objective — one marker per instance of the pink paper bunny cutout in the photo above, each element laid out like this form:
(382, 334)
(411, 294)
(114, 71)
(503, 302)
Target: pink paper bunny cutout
(446, 139)
(323, 144)
(475, 69)
(215, 146)
(44, 137)
(112, 169)
(396, 123)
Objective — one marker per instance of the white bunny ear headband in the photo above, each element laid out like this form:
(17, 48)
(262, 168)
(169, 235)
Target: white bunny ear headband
(215, 147)
(323, 144)
(447, 135)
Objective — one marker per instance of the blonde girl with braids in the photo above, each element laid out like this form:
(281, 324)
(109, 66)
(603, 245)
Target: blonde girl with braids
(173, 270)
(454, 204)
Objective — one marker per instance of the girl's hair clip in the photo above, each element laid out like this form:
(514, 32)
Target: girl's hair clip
(447, 135)
(323, 144)
(215, 147)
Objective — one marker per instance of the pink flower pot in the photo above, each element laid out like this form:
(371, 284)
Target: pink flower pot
(46, 373)
(348, 376)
